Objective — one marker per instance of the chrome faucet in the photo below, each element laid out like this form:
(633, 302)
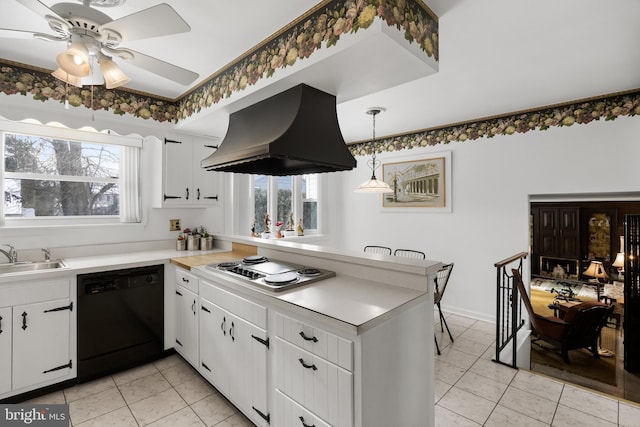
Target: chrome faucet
(12, 254)
(47, 254)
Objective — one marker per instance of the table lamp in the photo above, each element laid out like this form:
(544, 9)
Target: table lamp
(596, 270)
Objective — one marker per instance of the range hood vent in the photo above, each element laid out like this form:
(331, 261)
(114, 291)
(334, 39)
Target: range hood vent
(292, 133)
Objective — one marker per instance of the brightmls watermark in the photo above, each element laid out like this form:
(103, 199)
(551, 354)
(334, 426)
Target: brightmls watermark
(34, 415)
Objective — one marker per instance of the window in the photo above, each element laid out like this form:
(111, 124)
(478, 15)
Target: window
(54, 177)
(286, 198)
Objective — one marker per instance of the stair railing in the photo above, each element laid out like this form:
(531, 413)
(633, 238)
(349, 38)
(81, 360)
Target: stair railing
(508, 307)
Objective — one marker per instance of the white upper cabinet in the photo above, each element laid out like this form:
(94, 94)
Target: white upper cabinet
(184, 182)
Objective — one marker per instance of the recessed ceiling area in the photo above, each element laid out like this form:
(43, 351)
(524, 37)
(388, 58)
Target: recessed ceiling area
(496, 56)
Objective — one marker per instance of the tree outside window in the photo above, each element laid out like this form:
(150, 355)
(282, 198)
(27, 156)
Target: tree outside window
(47, 177)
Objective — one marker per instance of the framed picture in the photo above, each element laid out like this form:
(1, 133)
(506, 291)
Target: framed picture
(421, 183)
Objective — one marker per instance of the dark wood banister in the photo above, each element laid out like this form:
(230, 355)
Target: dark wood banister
(510, 259)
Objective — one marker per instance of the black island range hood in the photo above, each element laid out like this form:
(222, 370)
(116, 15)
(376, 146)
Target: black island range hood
(292, 133)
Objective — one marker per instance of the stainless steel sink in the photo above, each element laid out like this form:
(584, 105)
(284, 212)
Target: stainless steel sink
(27, 266)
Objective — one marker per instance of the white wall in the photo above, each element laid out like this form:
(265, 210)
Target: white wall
(492, 180)
(155, 224)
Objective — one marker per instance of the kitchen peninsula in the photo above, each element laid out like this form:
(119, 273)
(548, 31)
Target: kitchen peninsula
(353, 349)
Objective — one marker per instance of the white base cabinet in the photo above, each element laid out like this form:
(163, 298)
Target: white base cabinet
(233, 350)
(41, 342)
(37, 324)
(283, 366)
(187, 312)
(308, 371)
(290, 414)
(5, 349)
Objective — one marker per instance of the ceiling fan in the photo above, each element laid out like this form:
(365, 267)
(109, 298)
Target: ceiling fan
(90, 33)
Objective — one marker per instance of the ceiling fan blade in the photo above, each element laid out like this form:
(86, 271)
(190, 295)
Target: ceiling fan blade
(39, 8)
(160, 67)
(7, 33)
(160, 20)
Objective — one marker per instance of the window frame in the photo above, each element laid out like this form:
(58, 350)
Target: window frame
(57, 131)
(297, 201)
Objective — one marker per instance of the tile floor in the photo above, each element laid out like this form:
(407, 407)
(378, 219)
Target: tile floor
(470, 390)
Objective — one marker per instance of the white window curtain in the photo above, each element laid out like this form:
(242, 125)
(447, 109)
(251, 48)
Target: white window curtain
(130, 183)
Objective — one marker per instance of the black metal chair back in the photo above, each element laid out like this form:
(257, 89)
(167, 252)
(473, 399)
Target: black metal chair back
(373, 249)
(441, 280)
(409, 253)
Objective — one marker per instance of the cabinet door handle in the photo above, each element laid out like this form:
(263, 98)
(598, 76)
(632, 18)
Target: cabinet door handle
(66, 307)
(179, 343)
(187, 189)
(304, 424)
(0, 324)
(206, 367)
(193, 307)
(24, 320)
(57, 368)
(223, 326)
(231, 332)
(307, 366)
(266, 417)
(306, 338)
(261, 341)
(197, 193)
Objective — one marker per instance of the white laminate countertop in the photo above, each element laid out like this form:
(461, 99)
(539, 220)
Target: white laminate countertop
(95, 263)
(356, 304)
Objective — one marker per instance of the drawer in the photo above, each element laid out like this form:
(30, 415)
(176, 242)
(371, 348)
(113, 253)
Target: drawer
(319, 386)
(241, 307)
(316, 341)
(290, 414)
(187, 280)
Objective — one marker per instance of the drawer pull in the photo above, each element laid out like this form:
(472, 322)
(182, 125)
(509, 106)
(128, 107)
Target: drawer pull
(305, 424)
(184, 279)
(24, 320)
(306, 338)
(233, 338)
(307, 366)
(203, 308)
(223, 326)
(178, 293)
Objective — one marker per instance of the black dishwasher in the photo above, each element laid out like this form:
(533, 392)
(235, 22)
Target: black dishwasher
(120, 320)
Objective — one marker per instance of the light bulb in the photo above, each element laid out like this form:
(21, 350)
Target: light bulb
(77, 59)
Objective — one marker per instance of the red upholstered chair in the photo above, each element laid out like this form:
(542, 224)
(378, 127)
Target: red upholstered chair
(579, 328)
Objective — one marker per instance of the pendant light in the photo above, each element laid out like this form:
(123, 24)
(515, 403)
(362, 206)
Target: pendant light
(373, 185)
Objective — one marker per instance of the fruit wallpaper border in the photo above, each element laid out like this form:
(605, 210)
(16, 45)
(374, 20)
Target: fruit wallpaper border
(319, 28)
(605, 107)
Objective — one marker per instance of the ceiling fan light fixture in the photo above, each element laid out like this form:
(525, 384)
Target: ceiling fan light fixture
(60, 74)
(75, 60)
(113, 76)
